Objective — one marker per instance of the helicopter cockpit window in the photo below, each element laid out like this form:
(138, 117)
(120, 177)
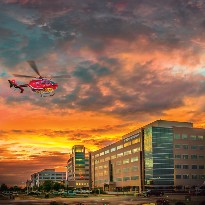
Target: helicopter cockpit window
(52, 82)
(43, 82)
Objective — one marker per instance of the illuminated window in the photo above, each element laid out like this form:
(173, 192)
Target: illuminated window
(134, 159)
(127, 152)
(107, 151)
(126, 178)
(200, 137)
(113, 149)
(119, 147)
(127, 143)
(134, 141)
(192, 137)
(136, 150)
(119, 154)
(113, 156)
(102, 153)
(126, 161)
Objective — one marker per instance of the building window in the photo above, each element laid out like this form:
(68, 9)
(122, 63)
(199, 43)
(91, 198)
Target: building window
(200, 137)
(120, 154)
(127, 143)
(202, 176)
(118, 179)
(134, 177)
(194, 176)
(193, 147)
(178, 176)
(185, 156)
(185, 176)
(201, 166)
(126, 178)
(107, 159)
(113, 156)
(193, 156)
(118, 171)
(185, 166)
(134, 168)
(177, 156)
(178, 166)
(119, 147)
(127, 152)
(201, 156)
(192, 137)
(137, 140)
(126, 169)
(118, 162)
(107, 151)
(126, 161)
(177, 146)
(136, 150)
(113, 149)
(134, 159)
(184, 136)
(201, 147)
(102, 153)
(177, 136)
(194, 166)
(185, 146)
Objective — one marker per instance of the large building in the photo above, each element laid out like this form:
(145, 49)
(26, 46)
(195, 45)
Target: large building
(39, 178)
(163, 154)
(78, 168)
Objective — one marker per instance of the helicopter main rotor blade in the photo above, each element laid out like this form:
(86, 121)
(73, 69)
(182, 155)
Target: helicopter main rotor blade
(24, 76)
(33, 66)
(61, 76)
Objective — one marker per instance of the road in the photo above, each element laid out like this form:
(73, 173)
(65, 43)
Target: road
(102, 200)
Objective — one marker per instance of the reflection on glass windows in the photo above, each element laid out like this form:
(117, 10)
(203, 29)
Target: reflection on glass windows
(159, 160)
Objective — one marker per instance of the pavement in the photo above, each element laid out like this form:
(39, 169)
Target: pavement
(102, 200)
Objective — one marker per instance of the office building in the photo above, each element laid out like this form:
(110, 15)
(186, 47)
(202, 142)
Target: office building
(162, 154)
(78, 168)
(39, 178)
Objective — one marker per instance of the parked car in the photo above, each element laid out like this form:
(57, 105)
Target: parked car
(153, 192)
(34, 193)
(68, 193)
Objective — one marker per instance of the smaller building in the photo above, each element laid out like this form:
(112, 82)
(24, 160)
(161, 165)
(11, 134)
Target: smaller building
(39, 178)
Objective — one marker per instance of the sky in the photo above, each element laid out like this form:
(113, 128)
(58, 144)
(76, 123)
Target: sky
(131, 63)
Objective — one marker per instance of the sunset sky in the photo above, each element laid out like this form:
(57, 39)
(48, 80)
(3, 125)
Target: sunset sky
(131, 62)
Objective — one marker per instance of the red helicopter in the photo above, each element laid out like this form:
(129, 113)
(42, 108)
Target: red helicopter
(41, 85)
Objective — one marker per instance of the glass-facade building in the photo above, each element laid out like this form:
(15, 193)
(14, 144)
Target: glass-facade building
(77, 175)
(162, 154)
(158, 156)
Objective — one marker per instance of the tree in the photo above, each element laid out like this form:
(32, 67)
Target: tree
(3, 187)
(47, 185)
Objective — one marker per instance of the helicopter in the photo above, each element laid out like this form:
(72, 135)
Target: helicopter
(40, 85)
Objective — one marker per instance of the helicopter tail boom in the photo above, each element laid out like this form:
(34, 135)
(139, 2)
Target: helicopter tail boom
(15, 85)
